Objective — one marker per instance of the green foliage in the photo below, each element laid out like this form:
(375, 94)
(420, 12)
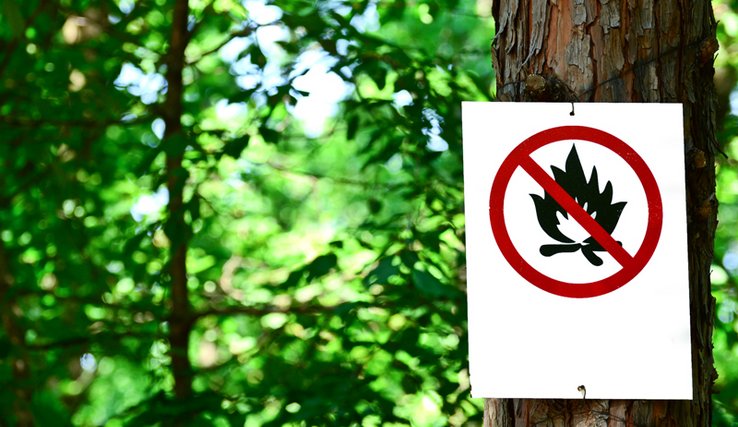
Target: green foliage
(725, 269)
(324, 236)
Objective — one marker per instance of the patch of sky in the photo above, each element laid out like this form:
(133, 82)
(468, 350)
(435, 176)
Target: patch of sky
(336, 6)
(342, 46)
(726, 311)
(248, 81)
(236, 179)
(226, 111)
(158, 127)
(402, 98)
(248, 74)
(394, 164)
(262, 13)
(87, 362)
(433, 132)
(128, 117)
(145, 86)
(730, 259)
(126, 6)
(312, 73)
(230, 51)
(325, 89)
(367, 21)
(149, 206)
(267, 38)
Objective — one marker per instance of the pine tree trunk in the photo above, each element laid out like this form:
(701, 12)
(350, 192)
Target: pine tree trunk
(627, 51)
(18, 357)
(180, 322)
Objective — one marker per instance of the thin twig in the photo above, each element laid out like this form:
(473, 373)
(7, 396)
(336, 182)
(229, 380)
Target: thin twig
(245, 32)
(269, 309)
(29, 122)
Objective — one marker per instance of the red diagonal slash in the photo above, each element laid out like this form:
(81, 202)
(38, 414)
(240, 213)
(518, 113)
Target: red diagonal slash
(584, 219)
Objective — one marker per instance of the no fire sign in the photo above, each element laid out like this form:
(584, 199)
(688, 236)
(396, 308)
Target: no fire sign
(576, 251)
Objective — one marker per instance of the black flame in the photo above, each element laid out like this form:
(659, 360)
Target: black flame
(587, 194)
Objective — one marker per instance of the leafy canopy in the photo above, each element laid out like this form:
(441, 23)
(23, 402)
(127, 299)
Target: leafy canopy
(321, 197)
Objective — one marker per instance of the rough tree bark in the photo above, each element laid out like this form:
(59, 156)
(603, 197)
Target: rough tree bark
(626, 51)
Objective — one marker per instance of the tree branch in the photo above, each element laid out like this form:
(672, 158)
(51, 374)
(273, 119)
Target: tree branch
(21, 363)
(29, 122)
(269, 309)
(245, 32)
(84, 340)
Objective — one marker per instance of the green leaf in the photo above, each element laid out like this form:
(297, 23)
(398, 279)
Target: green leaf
(49, 410)
(234, 147)
(270, 136)
(381, 274)
(258, 58)
(321, 266)
(352, 126)
(427, 284)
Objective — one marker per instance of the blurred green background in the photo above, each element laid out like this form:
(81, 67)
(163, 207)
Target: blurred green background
(323, 211)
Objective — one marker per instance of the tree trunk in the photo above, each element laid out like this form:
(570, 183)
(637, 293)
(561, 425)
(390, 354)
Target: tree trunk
(180, 322)
(18, 357)
(627, 51)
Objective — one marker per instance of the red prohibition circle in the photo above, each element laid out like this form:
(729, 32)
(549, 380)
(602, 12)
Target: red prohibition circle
(631, 265)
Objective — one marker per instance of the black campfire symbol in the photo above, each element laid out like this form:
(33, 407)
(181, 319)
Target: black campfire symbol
(587, 194)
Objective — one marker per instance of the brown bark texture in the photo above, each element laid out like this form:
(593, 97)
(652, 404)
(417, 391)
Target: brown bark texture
(623, 51)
